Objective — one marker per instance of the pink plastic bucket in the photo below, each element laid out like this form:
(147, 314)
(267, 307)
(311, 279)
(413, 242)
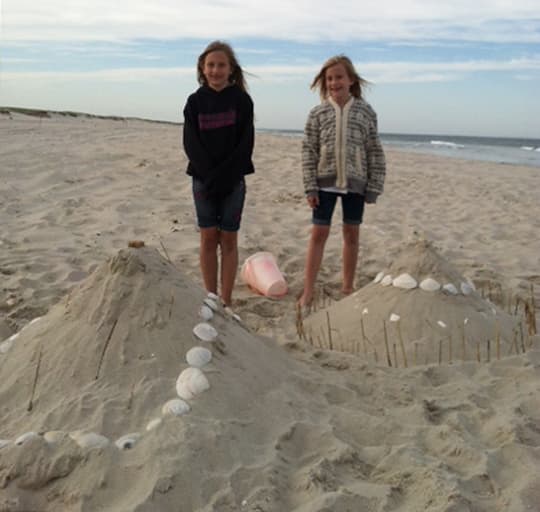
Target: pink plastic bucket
(260, 272)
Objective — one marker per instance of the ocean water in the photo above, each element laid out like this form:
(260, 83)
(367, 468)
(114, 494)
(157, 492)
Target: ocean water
(488, 149)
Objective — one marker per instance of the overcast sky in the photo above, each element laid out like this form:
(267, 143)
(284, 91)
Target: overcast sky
(463, 67)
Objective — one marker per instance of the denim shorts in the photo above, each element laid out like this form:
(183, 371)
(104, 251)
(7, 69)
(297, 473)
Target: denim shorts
(224, 214)
(352, 206)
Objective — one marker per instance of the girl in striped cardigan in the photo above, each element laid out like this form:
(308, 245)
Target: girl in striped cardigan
(342, 158)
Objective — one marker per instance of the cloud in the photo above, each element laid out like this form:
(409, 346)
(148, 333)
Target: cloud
(302, 20)
(377, 72)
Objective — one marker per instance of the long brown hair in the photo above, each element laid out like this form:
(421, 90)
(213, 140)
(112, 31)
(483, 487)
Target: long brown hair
(236, 76)
(319, 82)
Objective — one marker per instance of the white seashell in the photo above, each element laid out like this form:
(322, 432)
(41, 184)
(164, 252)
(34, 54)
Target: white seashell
(405, 281)
(206, 313)
(212, 296)
(191, 382)
(4, 443)
(54, 436)
(430, 285)
(176, 407)
(26, 437)
(387, 280)
(441, 323)
(365, 312)
(378, 277)
(37, 319)
(89, 440)
(128, 441)
(152, 424)
(450, 288)
(466, 288)
(205, 332)
(232, 314)
(466, 321)
(394, 317)
(198, 356)
(212, 304)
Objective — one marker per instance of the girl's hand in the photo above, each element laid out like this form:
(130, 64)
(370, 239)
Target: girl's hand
(313, 201)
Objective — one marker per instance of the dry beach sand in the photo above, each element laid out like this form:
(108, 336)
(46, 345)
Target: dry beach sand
(287, 424)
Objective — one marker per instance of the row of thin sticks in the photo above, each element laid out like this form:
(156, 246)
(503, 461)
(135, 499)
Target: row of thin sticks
(522, 339)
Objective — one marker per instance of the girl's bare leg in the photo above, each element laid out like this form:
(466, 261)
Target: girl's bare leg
(208, 258)
(351, 236)
(317, 241)
(229, 264)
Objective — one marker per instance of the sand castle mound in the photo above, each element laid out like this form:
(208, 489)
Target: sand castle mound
(420, 310)
(104, 361)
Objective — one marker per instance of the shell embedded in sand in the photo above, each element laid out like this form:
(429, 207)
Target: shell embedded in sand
(441, 324)
(198, 356)
(206, 313)
(176, 407)
(378, 277)
(191, 382)
(466, 288)
(387, 280)
(394, 317)
(152, 424)
(430, 285)
(26, 437)
(128, 441)
(4, 443)
(450, 288)
(232, 314)
(365, 311)
(205, 332)
(54, 436)
(405, 281)
(211, 303)
(89, 440)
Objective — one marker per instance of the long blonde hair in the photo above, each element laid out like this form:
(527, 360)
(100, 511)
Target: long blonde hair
(237, 74)
(319, 82)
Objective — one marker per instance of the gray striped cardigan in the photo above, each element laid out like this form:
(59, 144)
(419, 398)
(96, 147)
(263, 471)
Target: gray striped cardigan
(341, 148)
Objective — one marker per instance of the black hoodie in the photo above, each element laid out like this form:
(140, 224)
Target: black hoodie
(219, 137)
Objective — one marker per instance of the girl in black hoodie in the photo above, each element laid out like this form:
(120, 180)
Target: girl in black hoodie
(218, 141)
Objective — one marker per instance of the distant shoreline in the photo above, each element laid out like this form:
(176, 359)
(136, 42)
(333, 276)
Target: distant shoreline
(41, 113)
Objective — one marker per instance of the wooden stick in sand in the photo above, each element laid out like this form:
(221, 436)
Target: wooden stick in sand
(389, 361)
(363, 332)
(36, 376)
(463, 344)
(329, 331)
(402, 344)
(440, 351)
(450, 349)
(498, 340)
(488, 349)
(394, 351)
(415, 353)
(478, 358)
(165, 250)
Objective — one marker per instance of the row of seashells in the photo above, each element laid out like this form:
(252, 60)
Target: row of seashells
(191, 382)
(407, 282)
